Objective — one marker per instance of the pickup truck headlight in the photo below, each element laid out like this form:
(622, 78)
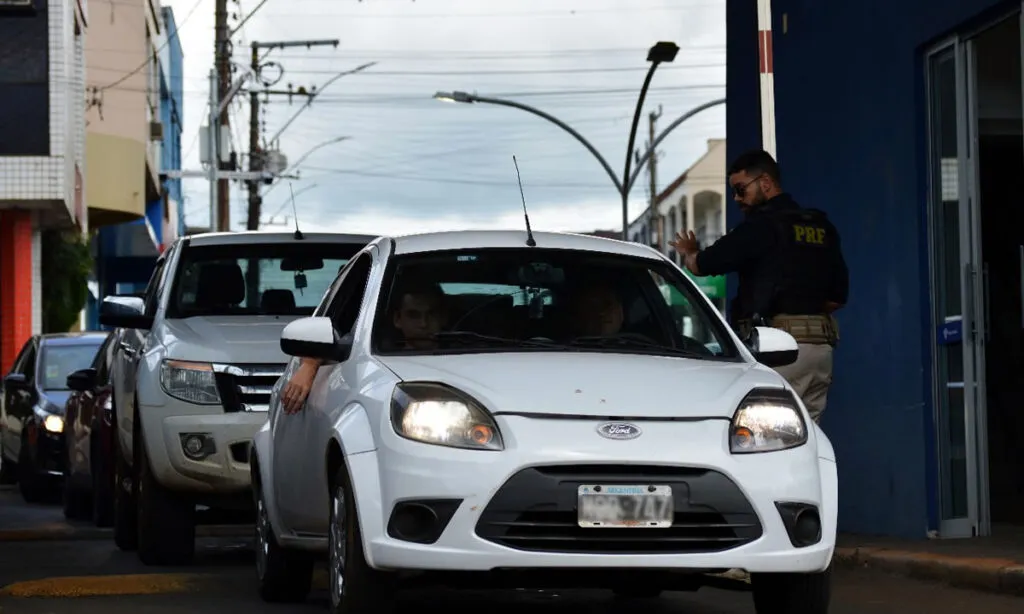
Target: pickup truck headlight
(192, 382)
(439, 415)
(767, 420)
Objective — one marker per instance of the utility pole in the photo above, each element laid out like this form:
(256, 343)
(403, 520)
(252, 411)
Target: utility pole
(652, 173)
(257, 157)
(222, 60)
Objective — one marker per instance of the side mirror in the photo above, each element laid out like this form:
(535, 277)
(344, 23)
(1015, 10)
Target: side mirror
(773, 347)
(15, 380)
(83, 380)
(124, 311)
(315, 338)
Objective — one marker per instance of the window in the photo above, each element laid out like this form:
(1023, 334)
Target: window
(152, 293)
(286, 279)
(60, 360)
(104, 358)
(344, 307)
(532, 299)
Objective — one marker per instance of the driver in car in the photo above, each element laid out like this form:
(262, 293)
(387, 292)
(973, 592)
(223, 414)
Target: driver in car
(417, 317)
(597, 311)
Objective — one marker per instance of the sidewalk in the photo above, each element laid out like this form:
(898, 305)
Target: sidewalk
(993, 564)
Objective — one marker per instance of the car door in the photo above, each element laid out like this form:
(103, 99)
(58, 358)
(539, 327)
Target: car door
(131, 345)
(300, 440)
(18, 399)
(81, 412)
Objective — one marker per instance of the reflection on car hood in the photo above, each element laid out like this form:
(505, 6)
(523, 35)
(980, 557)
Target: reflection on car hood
(228, 339)
(594, 384)
(53, 401)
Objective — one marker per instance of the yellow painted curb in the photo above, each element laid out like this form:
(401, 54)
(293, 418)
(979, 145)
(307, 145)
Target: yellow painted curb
(92, 586)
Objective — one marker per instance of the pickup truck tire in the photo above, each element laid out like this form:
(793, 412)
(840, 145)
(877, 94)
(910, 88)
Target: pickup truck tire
(285, 576)
(126, 518)
(102, 486)
(167, 527)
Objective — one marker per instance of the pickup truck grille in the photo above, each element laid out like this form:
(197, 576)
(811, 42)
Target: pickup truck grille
(246, 387)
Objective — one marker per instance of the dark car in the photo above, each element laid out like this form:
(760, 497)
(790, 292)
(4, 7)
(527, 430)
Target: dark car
(32, 416)
(89, 437)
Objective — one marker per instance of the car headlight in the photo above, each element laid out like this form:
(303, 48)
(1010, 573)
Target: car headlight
(437, 414)
(51, 422)
(767, 420)
(192, 382)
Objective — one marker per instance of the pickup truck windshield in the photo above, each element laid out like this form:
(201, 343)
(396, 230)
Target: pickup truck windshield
(287, 279)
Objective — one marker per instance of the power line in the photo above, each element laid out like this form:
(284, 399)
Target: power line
(146, 62)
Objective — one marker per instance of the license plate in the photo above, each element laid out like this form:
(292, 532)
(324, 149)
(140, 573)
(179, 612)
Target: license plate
(643, 506)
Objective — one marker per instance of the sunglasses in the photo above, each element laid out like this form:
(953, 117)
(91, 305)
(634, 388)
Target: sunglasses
(740, 190)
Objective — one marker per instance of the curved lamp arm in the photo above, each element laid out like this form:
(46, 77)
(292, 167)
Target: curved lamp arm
(664, 133)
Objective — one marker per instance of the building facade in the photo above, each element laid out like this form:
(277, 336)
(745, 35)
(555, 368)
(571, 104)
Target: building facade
(134, 135)
(42, 146)
(913, 144)
(693, 201)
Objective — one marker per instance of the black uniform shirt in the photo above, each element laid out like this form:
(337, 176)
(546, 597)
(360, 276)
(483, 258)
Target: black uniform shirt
(746, 250)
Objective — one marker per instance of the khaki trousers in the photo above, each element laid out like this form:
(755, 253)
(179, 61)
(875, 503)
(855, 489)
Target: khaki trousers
(810, 376)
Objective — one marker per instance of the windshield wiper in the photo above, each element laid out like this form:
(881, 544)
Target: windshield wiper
(470, 337)
(633, 342)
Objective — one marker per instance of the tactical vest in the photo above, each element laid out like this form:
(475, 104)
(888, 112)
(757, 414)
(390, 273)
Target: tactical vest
(797, 275)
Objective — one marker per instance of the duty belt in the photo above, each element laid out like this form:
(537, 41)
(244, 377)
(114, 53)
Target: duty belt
(812, 329)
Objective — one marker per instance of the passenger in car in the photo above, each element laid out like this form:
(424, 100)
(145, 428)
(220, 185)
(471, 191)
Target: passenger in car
(597, 311)
(417, 317)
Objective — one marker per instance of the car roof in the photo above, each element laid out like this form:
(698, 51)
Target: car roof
(255, 236)
(470, 239)
(91, 337)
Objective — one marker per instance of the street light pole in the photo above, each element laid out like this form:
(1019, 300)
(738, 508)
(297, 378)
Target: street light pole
(664, 133)
(660, 52)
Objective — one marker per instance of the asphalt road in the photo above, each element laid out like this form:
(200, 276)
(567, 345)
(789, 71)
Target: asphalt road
(93, 577)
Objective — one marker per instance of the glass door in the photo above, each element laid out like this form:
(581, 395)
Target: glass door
(956, 287)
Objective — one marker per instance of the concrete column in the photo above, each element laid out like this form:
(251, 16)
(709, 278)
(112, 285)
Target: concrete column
(37, 276)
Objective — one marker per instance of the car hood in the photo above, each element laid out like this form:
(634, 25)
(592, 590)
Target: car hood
(229, 339)
(593, 384)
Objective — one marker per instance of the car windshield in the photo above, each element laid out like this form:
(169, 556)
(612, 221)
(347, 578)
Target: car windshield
(58, 361)
(256, 279)
(534, 299)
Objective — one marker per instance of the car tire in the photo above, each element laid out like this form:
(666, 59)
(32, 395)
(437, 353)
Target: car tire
(77, 504)
(8, 469)
(32, 486)
(355, 587)
(126, 513)
(166, 522)
(792, 593)
(284, 576)
(102, 487)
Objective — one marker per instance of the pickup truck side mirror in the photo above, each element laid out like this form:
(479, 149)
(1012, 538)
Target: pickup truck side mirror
(125, 311)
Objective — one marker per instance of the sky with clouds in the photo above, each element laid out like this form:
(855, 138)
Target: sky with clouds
(412, 163)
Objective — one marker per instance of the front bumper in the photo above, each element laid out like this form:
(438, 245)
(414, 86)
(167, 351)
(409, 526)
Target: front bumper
(48, 451)
(224, 469)
(517, 510)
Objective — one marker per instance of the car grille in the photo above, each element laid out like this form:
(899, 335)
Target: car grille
(246, 387)
(536, 510)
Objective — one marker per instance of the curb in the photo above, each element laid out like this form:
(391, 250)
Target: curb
(67, 533)
(1004, 576)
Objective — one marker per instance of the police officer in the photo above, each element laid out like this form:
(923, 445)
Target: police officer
(791, 270)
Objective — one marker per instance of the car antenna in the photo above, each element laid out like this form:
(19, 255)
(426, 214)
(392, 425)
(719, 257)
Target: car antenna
(298, 233)
(529, 233)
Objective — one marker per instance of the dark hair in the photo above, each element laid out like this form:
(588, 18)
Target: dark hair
(757, 162)
(414, 288)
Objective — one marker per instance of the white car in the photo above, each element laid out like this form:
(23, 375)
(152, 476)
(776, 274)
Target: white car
(559, 431)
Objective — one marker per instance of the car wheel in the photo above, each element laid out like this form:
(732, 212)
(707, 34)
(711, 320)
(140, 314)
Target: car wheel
(77, 504)
(355, 587)
(126, 515)
(102, 487)
(8, 470)
(30, 483)
(166, 522)
(285, 576)
(792, 593)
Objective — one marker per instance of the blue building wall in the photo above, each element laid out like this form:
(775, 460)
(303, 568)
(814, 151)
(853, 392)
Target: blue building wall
(850, 117)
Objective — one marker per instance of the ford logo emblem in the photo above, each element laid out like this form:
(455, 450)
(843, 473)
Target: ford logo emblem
(618, 430)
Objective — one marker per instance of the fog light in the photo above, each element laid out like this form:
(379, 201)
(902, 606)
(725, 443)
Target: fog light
(197, 446)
